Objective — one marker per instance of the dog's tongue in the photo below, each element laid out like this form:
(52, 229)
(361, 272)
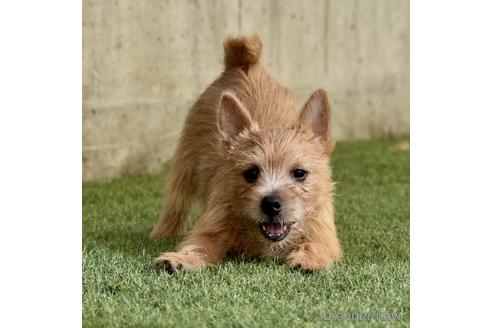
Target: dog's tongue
(274, 228)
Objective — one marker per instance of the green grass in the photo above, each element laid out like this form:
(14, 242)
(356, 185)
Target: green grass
(121, 289)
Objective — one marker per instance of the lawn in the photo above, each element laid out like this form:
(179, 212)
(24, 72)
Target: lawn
(121, 289)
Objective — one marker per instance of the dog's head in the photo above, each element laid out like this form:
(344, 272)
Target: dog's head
(278, 176)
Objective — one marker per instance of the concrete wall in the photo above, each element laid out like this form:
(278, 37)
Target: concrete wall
(145, 62)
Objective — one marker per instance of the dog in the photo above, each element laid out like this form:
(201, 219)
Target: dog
(259, 162)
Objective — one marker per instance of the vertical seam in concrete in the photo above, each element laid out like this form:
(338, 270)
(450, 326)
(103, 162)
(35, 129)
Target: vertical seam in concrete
(239, 15)
(275, 37)
(325, 36)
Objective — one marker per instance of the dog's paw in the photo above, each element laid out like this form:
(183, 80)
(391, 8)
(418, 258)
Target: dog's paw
(306, 262)
(302, 266)
(169, 262)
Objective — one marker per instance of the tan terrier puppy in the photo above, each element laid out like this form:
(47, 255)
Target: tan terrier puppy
(260, 163)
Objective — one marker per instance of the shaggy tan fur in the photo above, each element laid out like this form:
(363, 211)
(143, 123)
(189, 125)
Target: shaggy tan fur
(246, 119)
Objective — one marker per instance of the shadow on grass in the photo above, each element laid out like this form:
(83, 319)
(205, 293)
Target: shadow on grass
(128, 242)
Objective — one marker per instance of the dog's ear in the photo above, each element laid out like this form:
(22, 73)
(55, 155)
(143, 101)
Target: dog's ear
(316, 115)
(233, 117)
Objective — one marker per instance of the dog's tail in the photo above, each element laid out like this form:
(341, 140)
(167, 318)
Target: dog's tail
(242, 51)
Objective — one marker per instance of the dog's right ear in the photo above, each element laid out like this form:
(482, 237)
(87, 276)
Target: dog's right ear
(316, 115)
(233, 117)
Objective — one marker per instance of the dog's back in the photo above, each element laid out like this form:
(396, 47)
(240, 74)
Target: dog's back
(270, 104)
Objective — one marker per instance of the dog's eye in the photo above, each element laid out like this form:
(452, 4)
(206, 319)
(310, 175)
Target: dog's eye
(299, 174)
(251, 174)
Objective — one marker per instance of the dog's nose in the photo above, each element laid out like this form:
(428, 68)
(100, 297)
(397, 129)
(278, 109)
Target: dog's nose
(271, 205)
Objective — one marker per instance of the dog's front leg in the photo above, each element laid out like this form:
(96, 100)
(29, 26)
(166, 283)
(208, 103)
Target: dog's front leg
(319, 250)
(195, 252)
(205, 246)
(309, 257)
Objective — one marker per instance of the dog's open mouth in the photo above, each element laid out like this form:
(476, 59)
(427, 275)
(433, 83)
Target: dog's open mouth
(274, 231)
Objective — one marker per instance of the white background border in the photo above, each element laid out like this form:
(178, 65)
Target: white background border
(450, 192)
(41, 163)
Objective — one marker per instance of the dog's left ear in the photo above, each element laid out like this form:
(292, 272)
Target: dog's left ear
(316, 115)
